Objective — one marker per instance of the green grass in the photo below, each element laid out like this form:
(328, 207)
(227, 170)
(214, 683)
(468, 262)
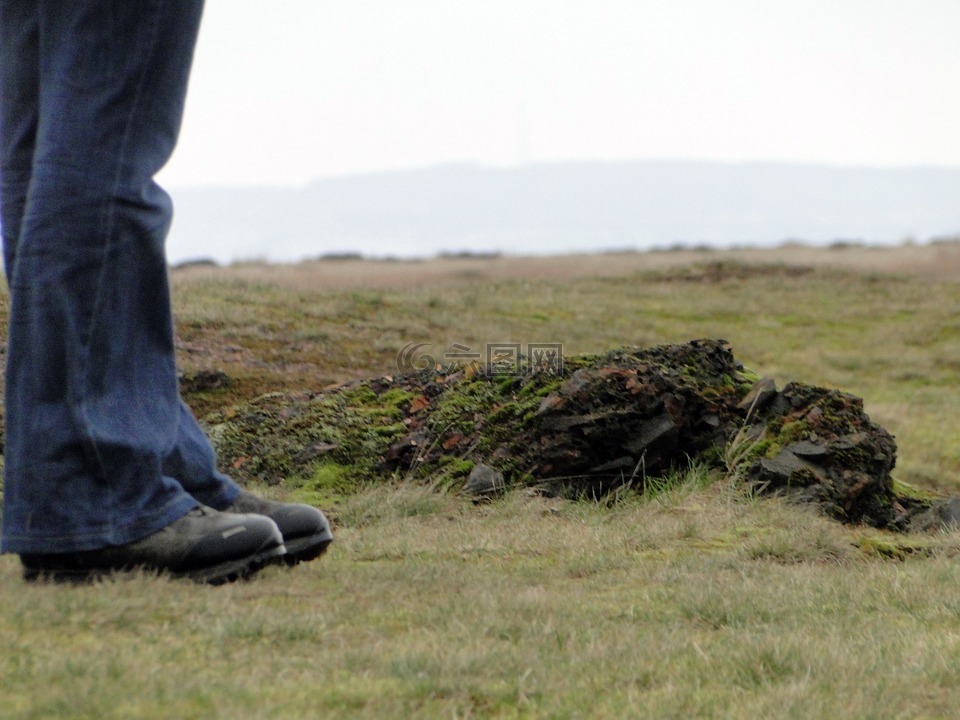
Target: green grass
(692, 599)
(691, 604)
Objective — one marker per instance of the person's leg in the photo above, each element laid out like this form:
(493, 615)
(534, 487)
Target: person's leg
(92, 402)
(194, 463)
(19, 101)
(49, 486)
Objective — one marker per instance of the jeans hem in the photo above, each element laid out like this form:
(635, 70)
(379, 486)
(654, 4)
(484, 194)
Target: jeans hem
(224, 498)
(98, 539)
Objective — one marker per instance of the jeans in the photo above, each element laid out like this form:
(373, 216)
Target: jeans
(99, 450)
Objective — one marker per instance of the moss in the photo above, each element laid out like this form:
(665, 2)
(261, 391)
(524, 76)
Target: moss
(792, 432)
(507, 411)
(281, 436)
(853, 457)
(376, 413)
(359, 395)
(767, 448)
(889, 547)
(392, 431)
(711, 393)
(507, 383)
(331, 477)
(903, 489)
(803, 477)
(775, 437)
(539, 386)
(395, 397)
(456, 411)
(456, 467)
(748, 377)
(745, 452)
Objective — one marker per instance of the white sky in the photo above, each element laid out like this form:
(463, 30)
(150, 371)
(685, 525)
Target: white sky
(289, 91)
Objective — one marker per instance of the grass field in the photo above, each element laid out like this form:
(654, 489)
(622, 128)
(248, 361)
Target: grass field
(695, 599)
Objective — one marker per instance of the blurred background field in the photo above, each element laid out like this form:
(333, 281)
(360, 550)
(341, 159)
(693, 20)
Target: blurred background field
(881, 323)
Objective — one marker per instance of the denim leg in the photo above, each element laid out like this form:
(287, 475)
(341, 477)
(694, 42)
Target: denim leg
(19, 103)
(194, 463)
(93, 408)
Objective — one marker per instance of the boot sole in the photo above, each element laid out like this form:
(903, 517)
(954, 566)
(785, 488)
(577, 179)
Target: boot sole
(236, 569)
(306, 548)
(218, 574)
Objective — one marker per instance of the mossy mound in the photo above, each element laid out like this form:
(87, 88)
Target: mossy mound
(587, 426)
(818, 445)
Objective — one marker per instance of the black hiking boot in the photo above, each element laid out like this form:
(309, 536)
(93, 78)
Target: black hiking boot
(204, 545)
(306, 530)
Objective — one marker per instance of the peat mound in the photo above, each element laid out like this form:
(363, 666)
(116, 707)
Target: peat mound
(588, 425)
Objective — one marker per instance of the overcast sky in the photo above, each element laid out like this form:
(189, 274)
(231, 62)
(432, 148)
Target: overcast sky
(286, 92)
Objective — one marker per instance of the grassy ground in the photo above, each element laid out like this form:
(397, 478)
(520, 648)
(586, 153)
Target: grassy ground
(696, 600)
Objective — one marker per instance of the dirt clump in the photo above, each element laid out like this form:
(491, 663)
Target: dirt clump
(581, 427)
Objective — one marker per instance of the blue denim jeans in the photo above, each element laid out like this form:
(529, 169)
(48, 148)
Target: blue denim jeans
(99, 448)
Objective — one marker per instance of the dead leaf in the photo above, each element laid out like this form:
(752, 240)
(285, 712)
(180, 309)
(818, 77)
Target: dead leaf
(418, 403)
(452, 441)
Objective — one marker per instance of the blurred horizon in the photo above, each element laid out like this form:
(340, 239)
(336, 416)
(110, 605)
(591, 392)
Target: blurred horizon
(566, 207)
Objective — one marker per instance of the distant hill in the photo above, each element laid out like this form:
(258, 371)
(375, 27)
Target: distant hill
(565, 207)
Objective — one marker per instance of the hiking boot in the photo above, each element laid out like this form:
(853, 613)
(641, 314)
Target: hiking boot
(204, 545)
(306, 531)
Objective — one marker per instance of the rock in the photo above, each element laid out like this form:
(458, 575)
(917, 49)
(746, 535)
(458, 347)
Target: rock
(404, 453)
(941, 515)
(484, 482)
(624, 466)
(760, 394)
(807, 449)
(656, 430)
(831, 454)
(658, 405)
(786, 470)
